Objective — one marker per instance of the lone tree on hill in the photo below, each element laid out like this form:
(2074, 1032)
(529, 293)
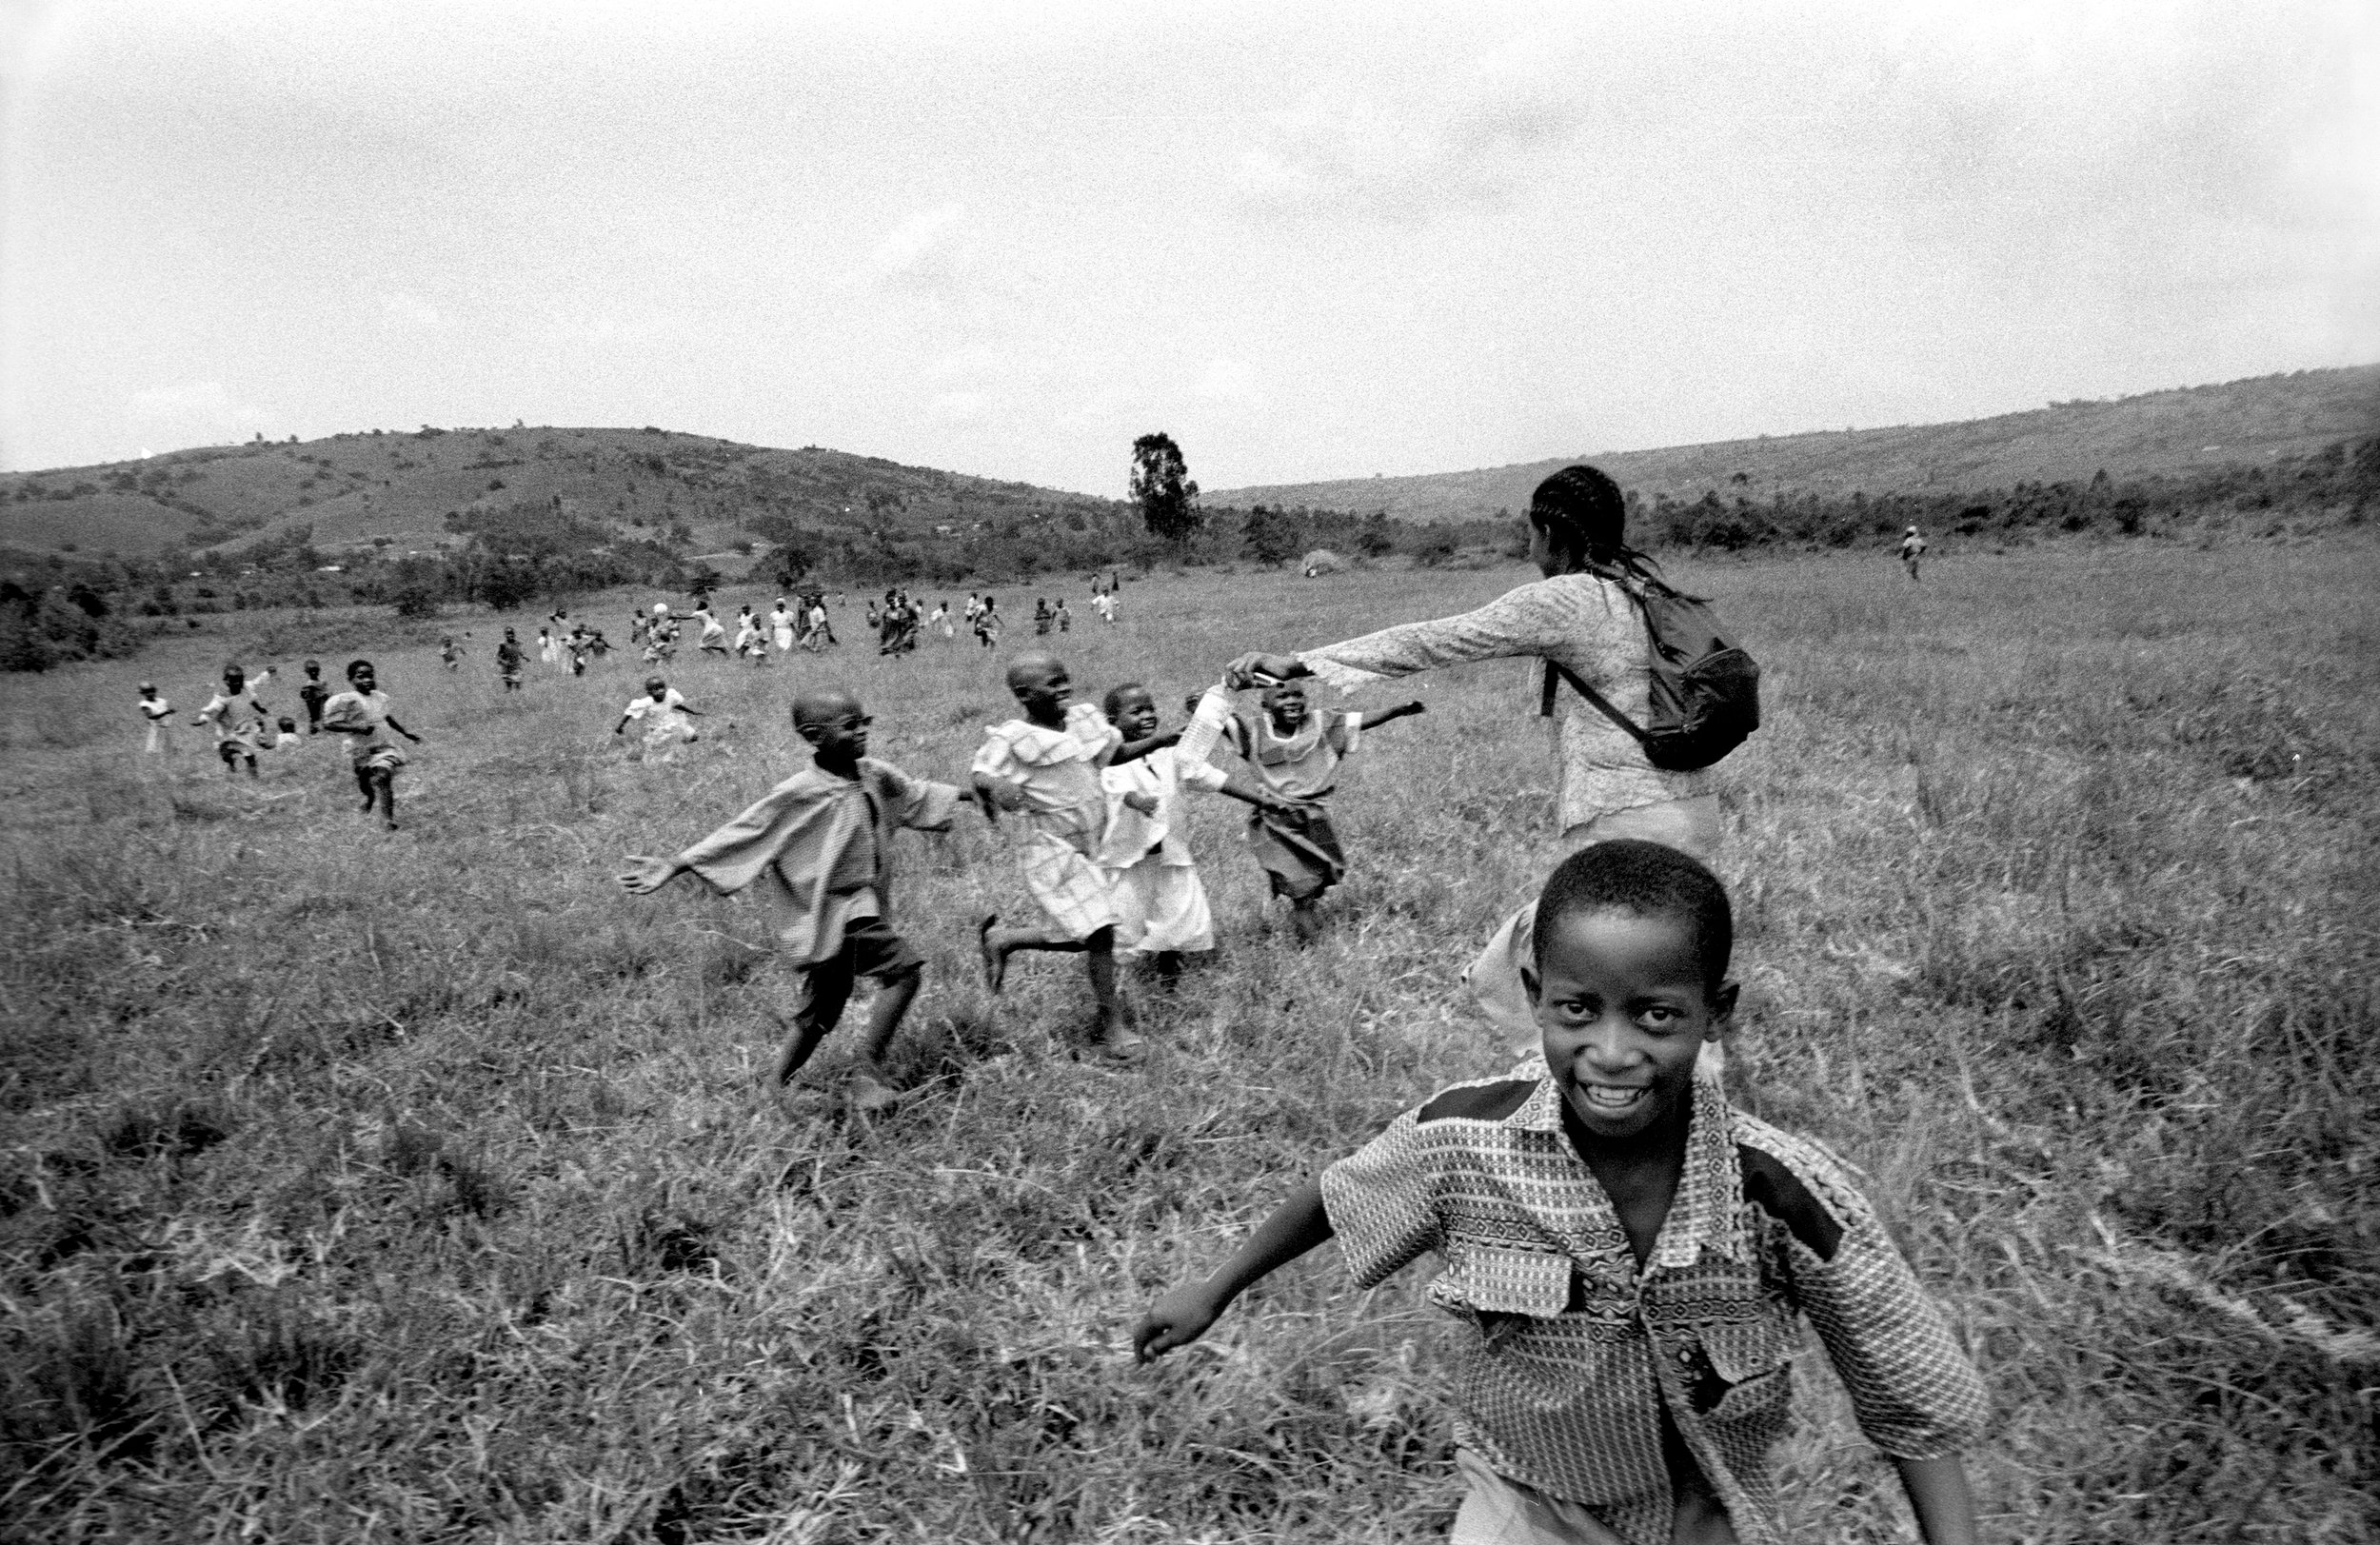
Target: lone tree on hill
(1169, 502)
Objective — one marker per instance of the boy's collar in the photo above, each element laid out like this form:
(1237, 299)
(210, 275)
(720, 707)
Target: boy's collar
(1710, 1189)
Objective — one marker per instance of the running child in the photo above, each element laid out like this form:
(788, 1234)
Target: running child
(1159, 901)
(714, 639)
(1043, 616)
(664, 715)
(988, 623)
(508, 658)
(1629, 1255)
(820, 839)
(780, 628)
(238, 717)
(449, 652)
(1912, 551)
(1065, 618)
(361, 713)
(1296, 755)
(159, 714)
(749, 643)
(313, 692)
(1046, 764)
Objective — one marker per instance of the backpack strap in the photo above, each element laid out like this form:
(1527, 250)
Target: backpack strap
(1589, 693)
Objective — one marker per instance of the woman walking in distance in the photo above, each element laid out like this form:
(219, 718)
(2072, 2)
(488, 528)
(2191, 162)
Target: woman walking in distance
(1575, 618)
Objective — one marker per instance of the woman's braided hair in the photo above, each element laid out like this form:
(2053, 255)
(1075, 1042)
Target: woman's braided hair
(1582, 512)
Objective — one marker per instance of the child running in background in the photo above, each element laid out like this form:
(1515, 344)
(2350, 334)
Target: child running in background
(714, 639)
(239, 719)
(1152, 879)
(1630, 1253)
(750, 644)
(508, 658)
(545, 655)
(313, 693)
(1296, 755)
(664, 715)
(987, 623)
(1047, 765)
(361, 713)
(1065, 618)
(450, 652)
(820, 838)
(780, 628)
(159, 715)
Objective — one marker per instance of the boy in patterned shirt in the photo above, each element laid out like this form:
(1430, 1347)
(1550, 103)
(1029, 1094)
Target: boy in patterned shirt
(1630, 1251)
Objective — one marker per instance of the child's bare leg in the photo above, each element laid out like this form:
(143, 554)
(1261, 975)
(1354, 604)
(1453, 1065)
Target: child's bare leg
(884, 1016)
(825, 988)
(997, 944)
(363, 786)
(387, 786)
(1304, 921)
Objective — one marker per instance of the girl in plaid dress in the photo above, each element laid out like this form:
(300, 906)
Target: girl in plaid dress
(1046, 766)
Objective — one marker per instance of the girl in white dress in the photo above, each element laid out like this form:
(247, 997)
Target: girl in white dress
(1153, 881)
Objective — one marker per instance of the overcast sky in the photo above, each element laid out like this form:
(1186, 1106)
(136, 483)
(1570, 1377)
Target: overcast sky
(1308, 241)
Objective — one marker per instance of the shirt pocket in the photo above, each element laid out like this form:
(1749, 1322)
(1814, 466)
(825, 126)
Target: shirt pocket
(1749, 1369)
(1497, 1288)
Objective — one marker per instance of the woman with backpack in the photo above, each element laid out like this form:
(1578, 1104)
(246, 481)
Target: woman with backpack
(1584, 621)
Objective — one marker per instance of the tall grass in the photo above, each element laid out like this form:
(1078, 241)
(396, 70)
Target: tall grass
(419, 1185)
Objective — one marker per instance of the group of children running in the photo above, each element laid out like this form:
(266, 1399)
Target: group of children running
(1632, 1257)
(244, 726)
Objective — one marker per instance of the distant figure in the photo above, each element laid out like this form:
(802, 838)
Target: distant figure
(942, 619)
(714, 639)
(975, 608)
(313, 693)
(239, 720)
(361, 713)
(1912, 551)
(548, 653)
(1065, 618)
(664, 715)
(750, 644)
(1042, 616)
(987, 623)
(158, 712)
(1104, 602)
(780, 628)
(509, 659)
(450, 652)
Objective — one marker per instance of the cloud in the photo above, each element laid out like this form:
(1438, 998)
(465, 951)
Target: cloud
(404, 308)
(1352, 148)
(925, 251)
(195, 412)
(1230, 382)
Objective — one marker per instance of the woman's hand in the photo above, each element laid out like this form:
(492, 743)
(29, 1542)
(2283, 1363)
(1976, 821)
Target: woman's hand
(1248, 668)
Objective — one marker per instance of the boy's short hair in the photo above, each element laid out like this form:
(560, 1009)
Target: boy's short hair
(354, 665)
(1627, 874)
(1114, 698)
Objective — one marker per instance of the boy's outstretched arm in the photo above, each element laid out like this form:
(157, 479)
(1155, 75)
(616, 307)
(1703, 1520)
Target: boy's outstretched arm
(649, 874)
(1939, 1495)
(1181, 1314)
(1381, 716)
(1239, 785)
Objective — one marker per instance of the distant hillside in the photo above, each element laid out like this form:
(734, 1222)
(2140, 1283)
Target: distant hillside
(2163, 433)
(424, 490)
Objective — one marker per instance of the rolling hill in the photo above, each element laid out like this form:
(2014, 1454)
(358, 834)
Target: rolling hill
(2261, 419)
(418, 491)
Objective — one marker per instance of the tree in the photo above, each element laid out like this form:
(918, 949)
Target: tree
(1268, 535)
(792, 564)
(1169, 502)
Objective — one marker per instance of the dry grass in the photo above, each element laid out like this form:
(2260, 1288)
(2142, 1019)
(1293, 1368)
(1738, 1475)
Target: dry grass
(415, 1187)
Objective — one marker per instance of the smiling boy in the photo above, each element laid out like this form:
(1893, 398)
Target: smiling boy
(1630, 1251)
(819, 840)
(1296, 755)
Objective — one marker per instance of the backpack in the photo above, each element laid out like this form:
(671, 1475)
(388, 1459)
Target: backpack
(1705, 697)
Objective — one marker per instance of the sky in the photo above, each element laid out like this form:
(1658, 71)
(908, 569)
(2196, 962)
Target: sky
(1307, 241)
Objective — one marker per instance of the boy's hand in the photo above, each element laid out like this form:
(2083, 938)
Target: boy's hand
(648, 876)
(1177, 1318)
(1145, 804)
(1416, 707)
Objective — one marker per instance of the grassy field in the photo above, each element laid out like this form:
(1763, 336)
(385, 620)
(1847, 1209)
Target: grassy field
(416, 1186)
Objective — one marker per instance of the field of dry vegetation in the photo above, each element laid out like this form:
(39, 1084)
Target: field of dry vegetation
(415, 1186)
